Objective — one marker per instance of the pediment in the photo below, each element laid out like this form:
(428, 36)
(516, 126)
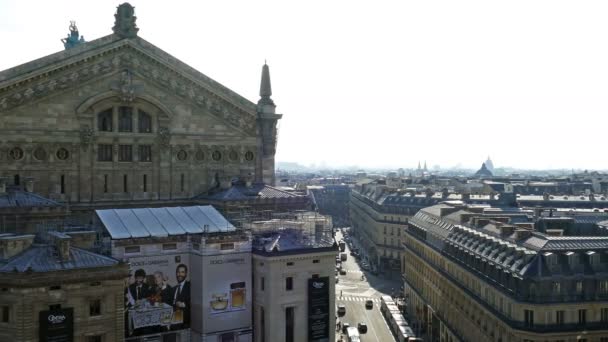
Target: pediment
(113, 57)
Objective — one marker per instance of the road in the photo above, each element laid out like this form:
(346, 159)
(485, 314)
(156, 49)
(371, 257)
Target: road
(353, 292)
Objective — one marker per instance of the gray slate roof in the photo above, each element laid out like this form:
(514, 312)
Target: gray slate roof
(44, 258)
(23, 199)
(162, 222)
(241, 193)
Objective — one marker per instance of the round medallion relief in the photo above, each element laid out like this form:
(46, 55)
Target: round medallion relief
(200, 155)
(16, 153)
(233, 155)
(249, 156)
(40, 153)
(62, 154)
(216, 155)
(182, 155)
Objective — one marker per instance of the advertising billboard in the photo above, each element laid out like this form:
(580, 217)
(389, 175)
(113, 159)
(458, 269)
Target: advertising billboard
(157, 294)
(318, 309)
(56, 325)
(226, 293)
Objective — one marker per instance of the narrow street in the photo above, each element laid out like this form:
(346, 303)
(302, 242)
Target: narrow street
(353, 292)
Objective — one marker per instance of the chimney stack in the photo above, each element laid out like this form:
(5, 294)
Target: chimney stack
(29, 184)
(62, 244)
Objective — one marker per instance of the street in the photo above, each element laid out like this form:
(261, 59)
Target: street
(353, 292)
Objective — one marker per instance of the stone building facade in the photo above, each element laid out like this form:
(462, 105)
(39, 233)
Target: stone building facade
(117, 119)
(485, 275)
(284, 267)
(63, 282)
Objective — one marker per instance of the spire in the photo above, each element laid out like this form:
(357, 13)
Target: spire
(425, 165)
(419, 168)
(266, 91)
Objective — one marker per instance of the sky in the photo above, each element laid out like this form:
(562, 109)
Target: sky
(380, 83)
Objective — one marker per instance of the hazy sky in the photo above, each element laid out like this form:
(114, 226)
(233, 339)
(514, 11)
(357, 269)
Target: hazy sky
(381, 83)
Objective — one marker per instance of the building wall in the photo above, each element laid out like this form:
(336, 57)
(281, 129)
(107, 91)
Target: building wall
(50, 131)
(274, 298)
(25, 303)
(451, 304)
(380, 231)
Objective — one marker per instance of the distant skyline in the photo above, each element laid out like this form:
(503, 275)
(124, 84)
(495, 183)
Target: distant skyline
(385, 83)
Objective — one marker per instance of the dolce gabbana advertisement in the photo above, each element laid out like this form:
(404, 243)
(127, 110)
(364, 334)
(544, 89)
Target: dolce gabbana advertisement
(226, 292)
(56, 325)
(157, 294)
(318, 309)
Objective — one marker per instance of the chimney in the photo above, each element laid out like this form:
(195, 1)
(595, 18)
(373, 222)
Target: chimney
(506, 230)
(62, 244)
(11, 245)
(521, 234)
(83, 239)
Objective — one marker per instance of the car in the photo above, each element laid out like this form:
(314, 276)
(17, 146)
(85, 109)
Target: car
(341, 310)
(352, 253)
(369, 304)
(345, 327)
(342, 271)
(337, 280)
(362, 327)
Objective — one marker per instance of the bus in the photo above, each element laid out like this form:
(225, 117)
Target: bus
(397, 324)
(353, 334)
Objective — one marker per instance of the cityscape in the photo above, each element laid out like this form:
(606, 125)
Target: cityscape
(144, 201)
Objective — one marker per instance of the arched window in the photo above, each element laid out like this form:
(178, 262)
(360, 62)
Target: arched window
(104, 120)
(125, 119)
(145, 122)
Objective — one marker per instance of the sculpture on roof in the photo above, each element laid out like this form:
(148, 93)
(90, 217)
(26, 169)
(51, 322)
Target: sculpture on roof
(74, 38)
(124, 24)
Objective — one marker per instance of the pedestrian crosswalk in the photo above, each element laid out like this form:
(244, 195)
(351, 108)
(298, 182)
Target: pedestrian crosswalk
(356, 299)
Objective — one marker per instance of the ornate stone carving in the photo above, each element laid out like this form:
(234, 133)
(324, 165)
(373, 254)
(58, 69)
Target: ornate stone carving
(124, 25)
(125, 88)
(86, 136)
(74, 38)
(164, 137)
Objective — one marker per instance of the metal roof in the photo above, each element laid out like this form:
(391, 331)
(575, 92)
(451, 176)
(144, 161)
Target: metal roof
(15, 198)
(45, 258)
(162, 222)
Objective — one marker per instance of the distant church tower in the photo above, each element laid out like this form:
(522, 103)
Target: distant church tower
(489, 164)
(267, 125)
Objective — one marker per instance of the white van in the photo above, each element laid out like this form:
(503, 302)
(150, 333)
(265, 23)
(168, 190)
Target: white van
(353, 334)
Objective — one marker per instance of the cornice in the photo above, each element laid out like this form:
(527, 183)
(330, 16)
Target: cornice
(145, 61)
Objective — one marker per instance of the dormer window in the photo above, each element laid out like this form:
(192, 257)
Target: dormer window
(104, 121)
(550, 259)
(572, 259)
(594, 258)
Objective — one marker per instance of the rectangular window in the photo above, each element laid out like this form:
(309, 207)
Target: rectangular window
(145, 153)
(62, 184)
(104, 153)
(289, 283)
(579, 287)
(262, 283)
(529, 318)
(105, 183)
(315, 276)
(131, 249)
(95, 307)
(125, 153)
(227, 246)
(603, 286)
(315, 261)
(290, 263)
(145, 181)
(96, 338)
(145, 122)
(54, 307)
(5, 314)
(104, 121)
(559, 317)
(604, 315)
(556, 287)
(289, 324)
(169, 246)
(125, 181)
(582, 316)
(54, 287)
(181, 182)
(125, 119)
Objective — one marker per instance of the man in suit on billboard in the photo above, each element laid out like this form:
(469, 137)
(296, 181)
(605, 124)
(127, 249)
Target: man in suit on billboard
(139, 290)
(181, 296)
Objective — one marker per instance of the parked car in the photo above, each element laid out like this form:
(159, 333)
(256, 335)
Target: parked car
(362, 327)
(369, 304)
(341, 310)
(345, 327)
(337, 279)
(342, 271)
